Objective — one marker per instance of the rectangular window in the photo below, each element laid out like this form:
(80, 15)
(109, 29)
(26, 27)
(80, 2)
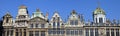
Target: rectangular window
(3, 34)
(100, 20)
(58, 19)
(31, 25)
(68, 31)
(31, 33)
(20, 32)
(53, 18)
(17, 34)
(36, 33)
(36, 25)
(91, 32)
(42, 25)
(96, 32)
(72, 32)
(11, 33)
(112, 32)
(117, 32)
(107, 32)
(76, 22)
(80, 31)
(7, 33)
(71, 22)
(58, 31)
(53, 24)
(62, 31)
(24, 32)
(96, 20)
(58, 24)
(76, 32)
(87, 32)
(42, 33)
(49, 31)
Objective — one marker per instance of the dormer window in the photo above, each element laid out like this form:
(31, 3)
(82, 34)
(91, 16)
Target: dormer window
(74, 22)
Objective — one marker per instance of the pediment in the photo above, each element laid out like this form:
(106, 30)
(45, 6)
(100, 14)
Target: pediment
(37, 19)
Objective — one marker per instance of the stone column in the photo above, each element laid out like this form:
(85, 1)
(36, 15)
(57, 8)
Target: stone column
(14, 31)
(115, 32)
(110, 32)
(94, 31)
(89, 31)
(84, 33)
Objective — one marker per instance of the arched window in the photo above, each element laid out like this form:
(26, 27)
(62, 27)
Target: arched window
(100, 20)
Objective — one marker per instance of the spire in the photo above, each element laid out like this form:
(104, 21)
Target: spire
(98, 3)
(22, 7)
(98, 9)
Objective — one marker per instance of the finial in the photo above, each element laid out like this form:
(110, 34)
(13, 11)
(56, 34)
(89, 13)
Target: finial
(37, 10)
(22, 7)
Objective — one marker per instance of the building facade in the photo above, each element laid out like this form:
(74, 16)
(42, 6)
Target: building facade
(39, 25)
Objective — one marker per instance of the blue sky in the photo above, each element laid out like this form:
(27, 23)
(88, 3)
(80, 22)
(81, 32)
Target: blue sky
(64, 7)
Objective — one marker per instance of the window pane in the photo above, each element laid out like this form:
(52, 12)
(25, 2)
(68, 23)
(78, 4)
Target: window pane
(71, 22)
(87, 32)
(107, 32)
(31, 25)
(112, 32)
(42, 25)
(53, 24)
(80, 31)
(117, 32)
(36, 33)
(101, 20)
(91, 32)
(36, 25)
(76, 22)
(68, 31)
(58, 24)
(31, 33)
(96, 32)
(42, 33)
